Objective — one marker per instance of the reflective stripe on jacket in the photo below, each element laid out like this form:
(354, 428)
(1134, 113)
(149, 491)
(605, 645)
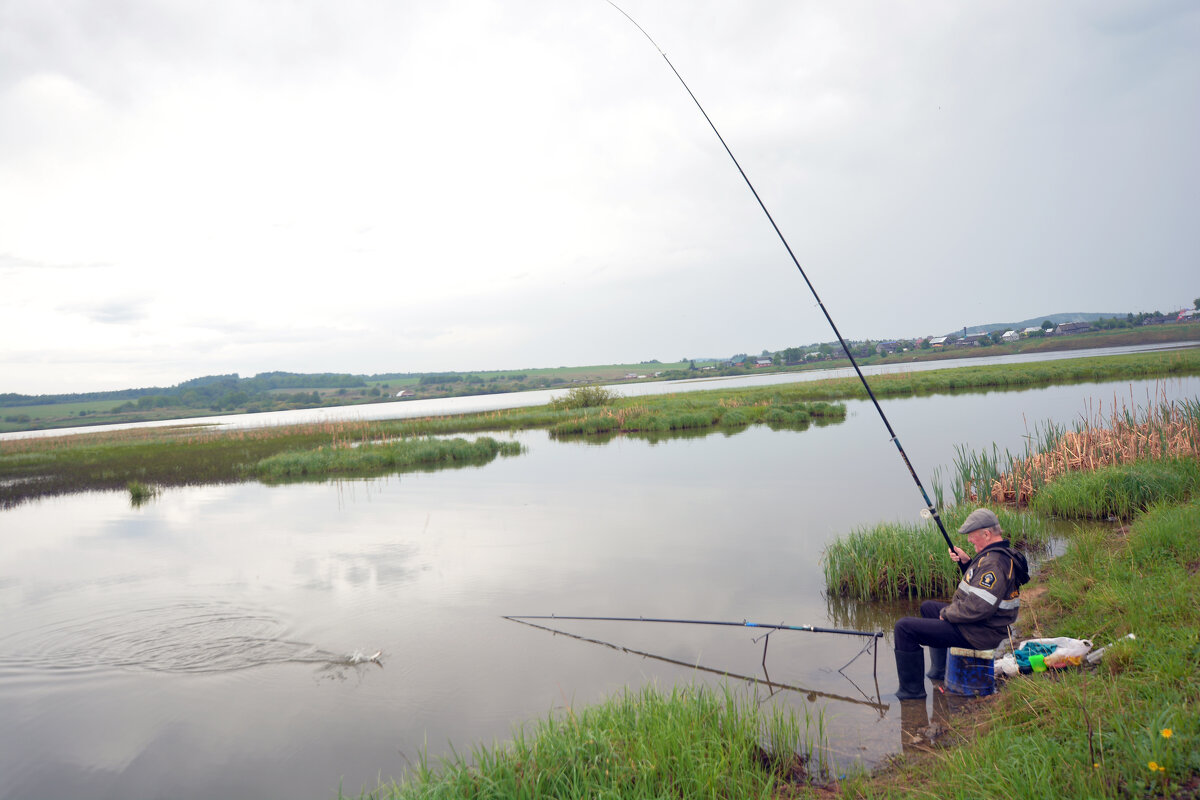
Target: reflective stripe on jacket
(988, 597)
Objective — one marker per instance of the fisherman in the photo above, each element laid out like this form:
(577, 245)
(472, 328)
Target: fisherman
(977, 617)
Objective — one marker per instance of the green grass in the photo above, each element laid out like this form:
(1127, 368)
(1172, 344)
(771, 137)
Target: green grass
(140, 493)
(50, 411)
(375, 459)
(895, 560)
(172, 457)
(1092, 733)
(1119, 491)
(31, 468)
(694, 411)
(693, 743)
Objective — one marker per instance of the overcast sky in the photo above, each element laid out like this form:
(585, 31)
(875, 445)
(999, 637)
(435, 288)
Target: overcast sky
(190, 187)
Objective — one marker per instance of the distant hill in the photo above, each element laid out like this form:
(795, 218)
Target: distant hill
(1034, 322)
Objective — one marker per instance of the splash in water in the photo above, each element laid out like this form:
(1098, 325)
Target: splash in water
(182, 637)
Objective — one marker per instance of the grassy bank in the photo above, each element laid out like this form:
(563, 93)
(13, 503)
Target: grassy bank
(693, 743)
(1120, 491)
(1104, 468)
(1128, 728)
(1126, 436)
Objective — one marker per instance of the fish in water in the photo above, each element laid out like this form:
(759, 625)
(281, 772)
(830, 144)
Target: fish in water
(358, 657)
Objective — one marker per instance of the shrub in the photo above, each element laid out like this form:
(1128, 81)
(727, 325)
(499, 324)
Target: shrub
(585, 397)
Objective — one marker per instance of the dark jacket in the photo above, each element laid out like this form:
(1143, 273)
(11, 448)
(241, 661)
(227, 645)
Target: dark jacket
(988, 598)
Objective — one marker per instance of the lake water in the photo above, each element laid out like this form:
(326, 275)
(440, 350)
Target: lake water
(197, 646)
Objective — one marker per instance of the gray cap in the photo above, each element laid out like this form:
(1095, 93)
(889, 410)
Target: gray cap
(980, 518)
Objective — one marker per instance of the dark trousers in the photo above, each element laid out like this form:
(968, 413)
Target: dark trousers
(927, 629)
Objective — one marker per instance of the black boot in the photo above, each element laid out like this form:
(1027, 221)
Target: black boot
(937, 664)
(910, 666)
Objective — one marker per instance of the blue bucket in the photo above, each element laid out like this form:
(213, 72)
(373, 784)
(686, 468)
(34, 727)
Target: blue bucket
(970, 672)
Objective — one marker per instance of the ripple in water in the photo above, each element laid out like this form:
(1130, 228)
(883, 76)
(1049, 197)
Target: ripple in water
(173, 638)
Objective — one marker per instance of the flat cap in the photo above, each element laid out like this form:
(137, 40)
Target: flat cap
(980, 518)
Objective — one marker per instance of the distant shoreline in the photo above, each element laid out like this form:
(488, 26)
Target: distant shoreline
(374, 389)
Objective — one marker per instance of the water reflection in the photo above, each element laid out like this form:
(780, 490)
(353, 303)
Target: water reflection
(423, 568)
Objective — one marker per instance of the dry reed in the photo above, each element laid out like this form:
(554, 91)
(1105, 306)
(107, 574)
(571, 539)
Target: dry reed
(1167, 430)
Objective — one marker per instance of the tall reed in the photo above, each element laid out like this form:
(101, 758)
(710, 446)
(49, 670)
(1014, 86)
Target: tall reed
(1163, 430)
(893, 560)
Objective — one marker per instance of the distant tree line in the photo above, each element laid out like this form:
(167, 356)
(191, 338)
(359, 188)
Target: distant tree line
(210, 391)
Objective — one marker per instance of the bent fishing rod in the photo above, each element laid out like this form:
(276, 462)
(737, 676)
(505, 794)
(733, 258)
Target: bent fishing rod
(743, 624)
(930, 508)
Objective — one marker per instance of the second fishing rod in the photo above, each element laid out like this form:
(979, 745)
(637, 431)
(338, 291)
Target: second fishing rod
(930, 508)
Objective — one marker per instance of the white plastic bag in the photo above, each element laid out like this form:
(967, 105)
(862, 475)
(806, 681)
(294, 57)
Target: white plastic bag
(1067, 651)
(1007, 666)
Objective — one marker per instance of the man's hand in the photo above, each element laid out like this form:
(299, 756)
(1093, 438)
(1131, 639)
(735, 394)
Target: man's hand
(959, 555)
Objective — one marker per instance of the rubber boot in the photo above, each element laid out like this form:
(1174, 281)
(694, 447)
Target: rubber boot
(937, 664)
(910, 669)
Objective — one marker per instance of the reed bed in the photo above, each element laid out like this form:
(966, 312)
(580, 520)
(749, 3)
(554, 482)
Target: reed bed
(895, 560)
(175, 456)
(1163, 431)
(375, 459)
(165, 457)
(694, 743)
(700, 411)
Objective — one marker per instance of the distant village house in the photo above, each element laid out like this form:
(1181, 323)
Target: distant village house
(1072, 327)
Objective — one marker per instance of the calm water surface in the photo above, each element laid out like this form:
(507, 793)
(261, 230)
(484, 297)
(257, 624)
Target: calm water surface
(197, 646)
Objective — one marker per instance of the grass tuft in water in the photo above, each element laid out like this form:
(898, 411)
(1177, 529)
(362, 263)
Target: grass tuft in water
(368, 459)
(894, 560)
(140, 493)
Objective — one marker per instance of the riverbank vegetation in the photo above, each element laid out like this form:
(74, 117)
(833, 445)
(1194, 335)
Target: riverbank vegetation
(376, 458)
(1104, 468)
(1127, 728)
(176, 456)
(1160, 431)
(694, 743)
(893, 560)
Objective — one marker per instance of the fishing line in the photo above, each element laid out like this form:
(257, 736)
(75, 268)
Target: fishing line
(930, 509)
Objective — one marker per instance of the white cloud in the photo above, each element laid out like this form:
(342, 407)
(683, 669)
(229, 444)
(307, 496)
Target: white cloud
(398, 187)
